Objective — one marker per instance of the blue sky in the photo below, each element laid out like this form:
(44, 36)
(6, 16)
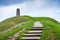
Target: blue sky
(38, 8)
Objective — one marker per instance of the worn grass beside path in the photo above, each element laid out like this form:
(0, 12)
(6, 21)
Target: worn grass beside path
(4, 36)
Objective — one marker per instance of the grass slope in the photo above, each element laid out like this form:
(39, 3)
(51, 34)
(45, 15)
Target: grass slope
(10, 22)
(51, 27)
(4, 36)
(45, 19)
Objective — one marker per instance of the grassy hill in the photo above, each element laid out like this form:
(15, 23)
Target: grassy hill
(10, 22)
(51, 27)
(45, 19)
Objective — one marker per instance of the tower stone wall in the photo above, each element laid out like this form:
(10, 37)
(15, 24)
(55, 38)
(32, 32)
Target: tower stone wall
(18, 12)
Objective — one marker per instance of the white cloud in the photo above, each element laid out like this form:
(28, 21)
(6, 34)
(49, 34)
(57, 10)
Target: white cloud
(10, 11)
(32, 8)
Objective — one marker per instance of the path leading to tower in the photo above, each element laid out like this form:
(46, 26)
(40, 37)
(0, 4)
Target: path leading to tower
(34, 33)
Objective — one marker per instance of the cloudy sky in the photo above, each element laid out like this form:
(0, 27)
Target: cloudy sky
(37, 8)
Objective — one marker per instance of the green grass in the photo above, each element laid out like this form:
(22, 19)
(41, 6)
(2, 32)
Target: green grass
(51, 30)
(28, 26)
(51, 27)
(4, 36)
(10, 22)
(45, 19)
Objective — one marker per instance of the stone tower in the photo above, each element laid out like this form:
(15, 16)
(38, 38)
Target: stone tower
(18, 12)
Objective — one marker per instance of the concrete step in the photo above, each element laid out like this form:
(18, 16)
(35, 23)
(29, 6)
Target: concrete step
(35, 31)
(30, 38)
(32, 35)
(38, 27)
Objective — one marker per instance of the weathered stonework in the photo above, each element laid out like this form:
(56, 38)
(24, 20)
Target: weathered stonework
(18, 12)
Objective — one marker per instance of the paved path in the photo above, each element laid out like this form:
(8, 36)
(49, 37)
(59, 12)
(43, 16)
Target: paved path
(38, 24)
(34, 33)
(17, 33)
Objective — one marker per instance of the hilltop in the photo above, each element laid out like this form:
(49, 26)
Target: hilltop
(10, 22)
(49, 24)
